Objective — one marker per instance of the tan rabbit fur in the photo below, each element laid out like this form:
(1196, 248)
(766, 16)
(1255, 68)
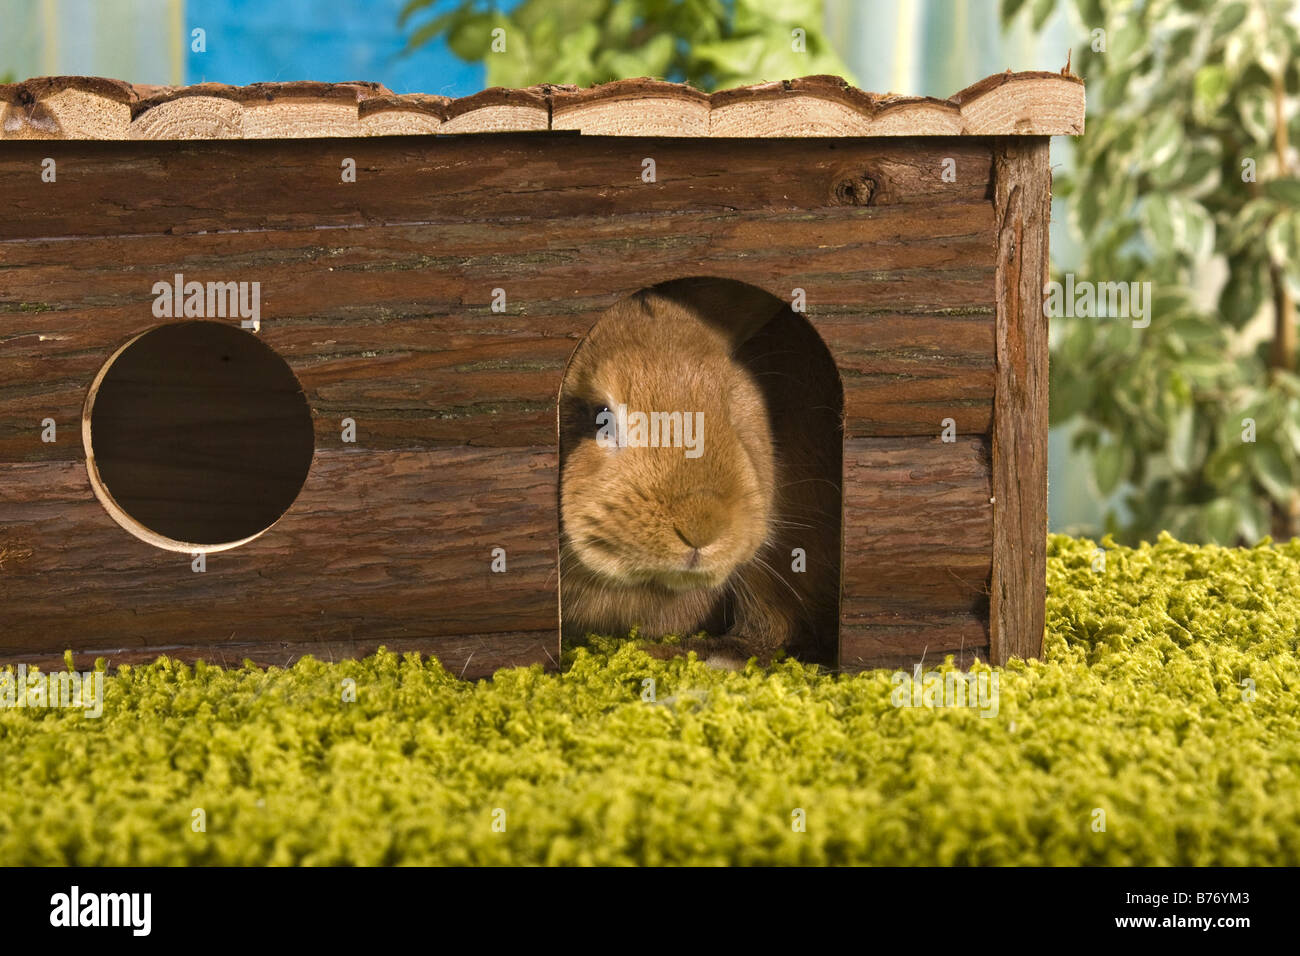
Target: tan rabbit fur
(671, 544)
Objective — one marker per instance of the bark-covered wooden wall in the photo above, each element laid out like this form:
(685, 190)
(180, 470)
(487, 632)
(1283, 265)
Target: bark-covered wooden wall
(920, 260)
(379, 295)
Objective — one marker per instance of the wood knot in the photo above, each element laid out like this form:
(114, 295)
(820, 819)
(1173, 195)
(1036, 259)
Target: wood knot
(857, 189)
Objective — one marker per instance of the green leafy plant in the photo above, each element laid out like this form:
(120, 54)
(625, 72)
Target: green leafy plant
(1186, 171)
(710, 44)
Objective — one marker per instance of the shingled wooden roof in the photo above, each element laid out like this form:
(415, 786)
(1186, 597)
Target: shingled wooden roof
(77, 107)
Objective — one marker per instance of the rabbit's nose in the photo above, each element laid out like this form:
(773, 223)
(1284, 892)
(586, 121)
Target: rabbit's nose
(702, 527)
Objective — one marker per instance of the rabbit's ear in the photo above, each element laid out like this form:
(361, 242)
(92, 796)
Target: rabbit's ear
(736, 309)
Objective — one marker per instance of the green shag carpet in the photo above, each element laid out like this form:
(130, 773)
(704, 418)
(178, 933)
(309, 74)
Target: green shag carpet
(1167, 700)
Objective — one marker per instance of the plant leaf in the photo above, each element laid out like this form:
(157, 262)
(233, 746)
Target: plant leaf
(1109, 466)
(1283, 190)
(1272, 471)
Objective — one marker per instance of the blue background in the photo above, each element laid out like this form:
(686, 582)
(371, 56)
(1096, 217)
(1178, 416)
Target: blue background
(330, 40)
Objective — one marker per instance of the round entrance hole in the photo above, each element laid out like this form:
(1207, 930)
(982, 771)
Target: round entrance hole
(198, 436)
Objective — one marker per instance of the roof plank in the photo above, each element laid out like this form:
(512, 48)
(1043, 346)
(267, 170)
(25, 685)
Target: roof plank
(638, 107)
(80, 108)
(498, 110)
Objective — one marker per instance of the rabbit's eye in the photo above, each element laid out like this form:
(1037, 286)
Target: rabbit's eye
(605, 426)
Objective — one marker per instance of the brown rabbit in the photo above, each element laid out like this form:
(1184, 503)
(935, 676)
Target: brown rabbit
(677, 539)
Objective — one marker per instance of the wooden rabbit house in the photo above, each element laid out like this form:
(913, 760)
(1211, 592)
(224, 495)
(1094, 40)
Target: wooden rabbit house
(279, 364)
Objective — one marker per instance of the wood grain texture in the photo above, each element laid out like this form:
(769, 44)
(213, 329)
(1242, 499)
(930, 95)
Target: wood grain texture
(918, 503)
(179, 188)
(918, 531)
(406, 553)
(640, 107)
(1022, 104)
(1023, 194)
(66, 107)
(379, 547)
(410, 115)
(378, 296)
(497, 110)
(392, 324)
(827, 106)
(407, 344)
(191, 117)
(903, 635)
